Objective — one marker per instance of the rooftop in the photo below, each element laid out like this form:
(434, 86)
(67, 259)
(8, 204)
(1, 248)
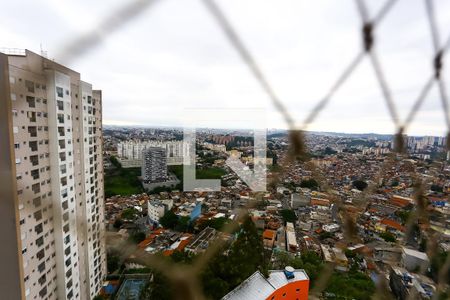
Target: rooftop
(259, 287)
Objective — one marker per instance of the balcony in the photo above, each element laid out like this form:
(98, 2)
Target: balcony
(62, 156)
(36, 188)
(59, 92)
(31, 102)
(32, 131)
(42, 279)
(31, 116)
(33, 146)
(37, 202)
(61, 131)
(60, 104)
(41, 254)
(61, 118)
(41, 267)
(40, 242)
(35, 174)
(30, 86)
(38, 229)
(34, 160)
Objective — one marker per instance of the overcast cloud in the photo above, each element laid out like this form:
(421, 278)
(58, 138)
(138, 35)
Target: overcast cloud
(173, 56)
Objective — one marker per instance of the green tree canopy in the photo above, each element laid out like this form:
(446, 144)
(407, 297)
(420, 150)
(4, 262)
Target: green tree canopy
(169, 220)
(360, 184)
(288, 215)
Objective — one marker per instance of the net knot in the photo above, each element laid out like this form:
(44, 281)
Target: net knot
(438, 64)
(368, 36)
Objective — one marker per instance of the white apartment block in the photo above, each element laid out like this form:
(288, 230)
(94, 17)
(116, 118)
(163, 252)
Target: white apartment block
(52, 222)
(155, 210)
(130, 152)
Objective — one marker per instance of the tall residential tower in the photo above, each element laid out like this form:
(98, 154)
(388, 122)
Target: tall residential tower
(51, 191)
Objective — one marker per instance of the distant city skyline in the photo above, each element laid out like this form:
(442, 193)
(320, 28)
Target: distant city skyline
(154, 66)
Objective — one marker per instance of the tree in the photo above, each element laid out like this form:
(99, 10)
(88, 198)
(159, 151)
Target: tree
(310, 184)
(360, 184)
(436, 188)
(388, 237)
(288, 215)
(129, 214)
(169, 220)
(183, 224)
(354, 285)
(329, 151)
(225, 272)
(115, 162)
(118, 223)
(438, 263)
(403, 215)
(137, 237)
(112, 260)
(325, 235)
(158, 288)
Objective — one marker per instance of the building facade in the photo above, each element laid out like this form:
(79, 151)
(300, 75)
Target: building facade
(154, 164)
(52, 170)
(155, 210)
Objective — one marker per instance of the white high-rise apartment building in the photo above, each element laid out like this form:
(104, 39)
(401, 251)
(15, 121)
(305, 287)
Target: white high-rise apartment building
(51, 191)
(130, 152)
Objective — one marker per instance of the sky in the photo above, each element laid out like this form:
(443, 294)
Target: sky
(172, 58)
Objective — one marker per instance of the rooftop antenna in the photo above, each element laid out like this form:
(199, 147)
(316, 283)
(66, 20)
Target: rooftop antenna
(43, 53)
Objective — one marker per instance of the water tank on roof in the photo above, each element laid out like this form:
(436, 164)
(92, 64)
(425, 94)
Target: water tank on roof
(289, 272)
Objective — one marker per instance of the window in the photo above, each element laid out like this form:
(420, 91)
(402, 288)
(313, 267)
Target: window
(60, 104)
(33, 145)
(43, 292)
(42, 279)
(38, 215)
(61, 118)
(59, 91)
(34, 160)
(15, 129)
(40, 242)
(38, 228)
(31, 101)
(61, 131)
(66, 228)
(62, 156)
(35, 174)
(13, 97)
(36, 188)
(29, 85)
(31, 116)
(37, 201)
(32, 131)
